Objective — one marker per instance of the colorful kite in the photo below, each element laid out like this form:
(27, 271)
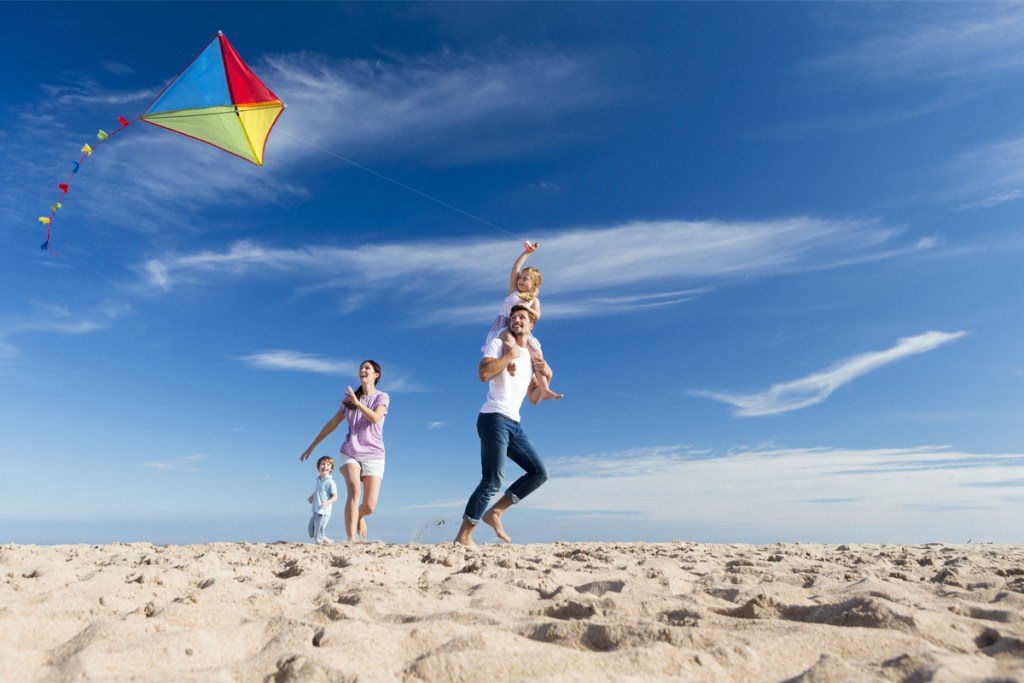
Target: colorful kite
(217, 99)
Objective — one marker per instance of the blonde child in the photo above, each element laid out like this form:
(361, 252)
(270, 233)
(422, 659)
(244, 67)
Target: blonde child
(524, 284)
(323, 497)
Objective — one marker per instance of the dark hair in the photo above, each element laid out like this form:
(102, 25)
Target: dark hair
(523, 307)
(359, 391)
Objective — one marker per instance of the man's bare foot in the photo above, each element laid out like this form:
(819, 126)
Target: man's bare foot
(465, 535)
(493, 518)
(362, 528)
(548, 394)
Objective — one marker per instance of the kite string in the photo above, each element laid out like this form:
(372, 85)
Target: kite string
(402, 185)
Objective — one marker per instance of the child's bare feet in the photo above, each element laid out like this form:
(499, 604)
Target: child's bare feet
(548, 394)
(493, 518)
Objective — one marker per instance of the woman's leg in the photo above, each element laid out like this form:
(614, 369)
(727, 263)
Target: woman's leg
(350, 473)
(371, 490)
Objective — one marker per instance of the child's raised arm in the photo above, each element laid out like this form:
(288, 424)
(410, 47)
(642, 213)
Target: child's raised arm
(513, 281)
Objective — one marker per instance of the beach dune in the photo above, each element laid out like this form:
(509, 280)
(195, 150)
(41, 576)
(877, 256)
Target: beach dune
(565, 611)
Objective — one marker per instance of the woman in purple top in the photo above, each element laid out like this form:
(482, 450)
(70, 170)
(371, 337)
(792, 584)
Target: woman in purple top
(361, 464)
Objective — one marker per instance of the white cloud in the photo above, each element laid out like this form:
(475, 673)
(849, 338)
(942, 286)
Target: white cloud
(297, 361)
(798, 494)
(302, 362)
(989, 175)
(628, 266)
(188, 463)
(447, 105)
(439, 109)
(968, 41)
(56, 319)
(436, 424)
(815, 388)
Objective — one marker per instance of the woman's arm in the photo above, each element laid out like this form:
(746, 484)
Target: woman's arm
(373, 416)
(331, 425)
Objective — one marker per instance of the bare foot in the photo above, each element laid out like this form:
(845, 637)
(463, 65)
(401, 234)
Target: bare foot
(326, 541)
(493, 518)
(548, 394)
(362, 528)
(465, 535)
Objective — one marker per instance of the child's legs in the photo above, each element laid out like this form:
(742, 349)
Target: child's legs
(313, 525)
(319, 526)
(542, 380)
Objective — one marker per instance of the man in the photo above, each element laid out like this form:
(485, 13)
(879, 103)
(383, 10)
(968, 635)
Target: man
(510, 374)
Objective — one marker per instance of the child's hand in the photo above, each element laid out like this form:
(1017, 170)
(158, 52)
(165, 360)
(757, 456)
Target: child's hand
(530, 248)
(310, 499)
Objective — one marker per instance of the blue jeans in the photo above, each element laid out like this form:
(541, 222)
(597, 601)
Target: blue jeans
(501, 437)
(318, 525)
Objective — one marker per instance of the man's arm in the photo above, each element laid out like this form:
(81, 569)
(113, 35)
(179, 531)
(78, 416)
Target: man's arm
(492, 367)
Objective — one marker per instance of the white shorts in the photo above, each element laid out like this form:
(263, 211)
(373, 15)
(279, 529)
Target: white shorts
(373, 468)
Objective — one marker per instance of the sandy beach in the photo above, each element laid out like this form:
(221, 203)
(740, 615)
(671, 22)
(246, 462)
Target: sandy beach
(565, 611)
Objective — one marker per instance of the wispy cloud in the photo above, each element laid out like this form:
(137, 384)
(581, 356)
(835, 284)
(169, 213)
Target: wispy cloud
(824, 494)
(964, 41)
(446, 104)
(949, 53)
(60, 320)
(297, 361)
(815, 388)
(302, 362)
(989, 175)
(437, 109)
(187, 463)
(436, 424)
(628, 266)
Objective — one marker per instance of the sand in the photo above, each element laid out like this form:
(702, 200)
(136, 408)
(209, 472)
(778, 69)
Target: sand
(562, 612)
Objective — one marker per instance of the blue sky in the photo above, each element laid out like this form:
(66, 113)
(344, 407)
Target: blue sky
(781, 251)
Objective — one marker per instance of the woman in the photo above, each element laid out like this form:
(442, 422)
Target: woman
(362, 454)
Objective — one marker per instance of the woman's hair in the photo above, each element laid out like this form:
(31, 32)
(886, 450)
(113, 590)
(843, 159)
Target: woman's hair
(535, 276)
(359, 391)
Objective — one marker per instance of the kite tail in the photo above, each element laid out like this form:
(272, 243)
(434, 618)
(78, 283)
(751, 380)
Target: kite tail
(87, 150)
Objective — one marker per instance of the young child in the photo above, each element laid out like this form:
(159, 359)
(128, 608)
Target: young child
(324, 495)
(523, 286)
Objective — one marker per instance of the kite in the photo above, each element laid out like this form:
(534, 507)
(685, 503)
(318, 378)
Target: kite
(217, 99)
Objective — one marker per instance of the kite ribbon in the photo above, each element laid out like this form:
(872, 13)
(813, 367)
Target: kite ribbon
(87, 150)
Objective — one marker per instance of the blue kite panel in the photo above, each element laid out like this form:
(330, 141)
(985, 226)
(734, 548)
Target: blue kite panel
(203, 84)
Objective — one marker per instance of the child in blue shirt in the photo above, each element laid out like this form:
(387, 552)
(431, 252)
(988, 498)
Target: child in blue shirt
(324, 495)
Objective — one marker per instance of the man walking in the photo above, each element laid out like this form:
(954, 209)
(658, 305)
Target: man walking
(510, 374)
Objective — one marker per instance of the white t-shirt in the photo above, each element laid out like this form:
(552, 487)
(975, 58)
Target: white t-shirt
(505, 392)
